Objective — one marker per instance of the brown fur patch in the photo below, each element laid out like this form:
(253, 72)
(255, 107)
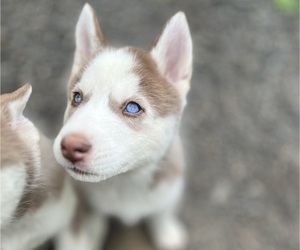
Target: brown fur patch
(43, 181)
(133, 121)
(9, 97)
(161, 94)
(85, 97)
(75, 78)
(49, 184)
(13, 152)
(13, 149)
(171, 167)
(73, 107)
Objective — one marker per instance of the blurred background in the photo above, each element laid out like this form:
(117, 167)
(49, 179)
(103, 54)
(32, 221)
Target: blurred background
(241, 125)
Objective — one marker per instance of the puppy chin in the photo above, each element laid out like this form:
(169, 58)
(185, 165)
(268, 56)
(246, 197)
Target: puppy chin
(86, 177)
(96, 176)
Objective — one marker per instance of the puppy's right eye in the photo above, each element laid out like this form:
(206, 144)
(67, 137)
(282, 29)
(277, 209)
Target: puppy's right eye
(77, 98)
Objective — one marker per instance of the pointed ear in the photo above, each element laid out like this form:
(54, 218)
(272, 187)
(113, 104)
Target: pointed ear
(88, 36)
(173, 50)
(16, 102)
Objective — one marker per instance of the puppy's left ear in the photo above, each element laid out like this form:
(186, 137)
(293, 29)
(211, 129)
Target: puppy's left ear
(173, 52)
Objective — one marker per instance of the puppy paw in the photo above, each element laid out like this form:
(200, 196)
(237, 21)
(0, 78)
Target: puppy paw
(168, 234)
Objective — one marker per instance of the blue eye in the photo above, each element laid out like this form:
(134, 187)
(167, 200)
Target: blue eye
(132, 108)
(77, 98)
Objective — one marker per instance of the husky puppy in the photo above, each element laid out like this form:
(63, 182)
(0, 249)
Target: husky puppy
(120, 134)
(38, 200)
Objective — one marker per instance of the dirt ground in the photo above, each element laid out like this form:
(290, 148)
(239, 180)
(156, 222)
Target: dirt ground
(240, 127)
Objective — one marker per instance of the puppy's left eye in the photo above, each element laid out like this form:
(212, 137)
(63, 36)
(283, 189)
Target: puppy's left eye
(77, 98)
(132, 108)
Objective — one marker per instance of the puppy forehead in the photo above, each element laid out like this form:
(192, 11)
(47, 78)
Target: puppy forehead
(127, 73)
(111, 73)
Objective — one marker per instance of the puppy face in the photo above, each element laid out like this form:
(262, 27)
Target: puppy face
(124, 107)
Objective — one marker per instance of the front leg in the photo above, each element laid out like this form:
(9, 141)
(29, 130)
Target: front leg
(90, 235)
(166, 231)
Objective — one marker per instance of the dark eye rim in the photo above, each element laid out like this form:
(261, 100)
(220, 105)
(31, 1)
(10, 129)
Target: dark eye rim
(142, 110)
(74, 93)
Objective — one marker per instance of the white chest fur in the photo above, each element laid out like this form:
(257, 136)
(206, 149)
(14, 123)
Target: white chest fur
(37, 226)
(130, 197)
(13, 181)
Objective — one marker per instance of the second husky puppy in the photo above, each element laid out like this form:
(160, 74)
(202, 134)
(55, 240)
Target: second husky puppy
(38, 200)
(121, 126)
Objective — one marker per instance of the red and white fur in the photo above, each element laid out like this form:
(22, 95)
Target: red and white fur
(38, 200)
(130, 164)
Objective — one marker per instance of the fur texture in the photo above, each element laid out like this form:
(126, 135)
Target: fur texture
(38, 200)
(134, 159)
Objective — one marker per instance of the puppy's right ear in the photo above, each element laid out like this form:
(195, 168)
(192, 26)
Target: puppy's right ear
(89, 38)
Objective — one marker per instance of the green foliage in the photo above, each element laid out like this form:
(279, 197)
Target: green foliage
(289, 6)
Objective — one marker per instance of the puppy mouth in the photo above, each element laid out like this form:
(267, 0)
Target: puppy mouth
(81, 172)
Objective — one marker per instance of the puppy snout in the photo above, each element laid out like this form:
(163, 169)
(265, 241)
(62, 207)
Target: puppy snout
(75, 147)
